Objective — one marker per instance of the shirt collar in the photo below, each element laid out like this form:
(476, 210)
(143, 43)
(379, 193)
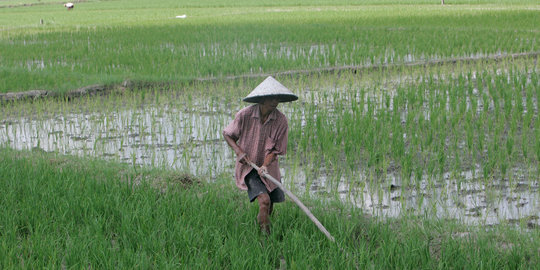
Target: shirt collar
(257, 113)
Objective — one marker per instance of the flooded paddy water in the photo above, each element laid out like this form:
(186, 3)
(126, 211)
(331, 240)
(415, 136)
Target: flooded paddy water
(183, 131)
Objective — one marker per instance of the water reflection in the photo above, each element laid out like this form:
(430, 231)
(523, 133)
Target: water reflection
(188, 141)
(462, 197)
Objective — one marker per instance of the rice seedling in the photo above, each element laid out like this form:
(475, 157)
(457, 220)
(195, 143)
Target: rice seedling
(208, 44)
(414, 130)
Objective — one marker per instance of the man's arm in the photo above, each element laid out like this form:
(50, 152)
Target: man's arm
(242, 157)
(267, 160)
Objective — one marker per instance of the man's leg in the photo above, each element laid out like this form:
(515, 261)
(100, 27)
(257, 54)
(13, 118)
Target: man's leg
(271, 209)
(264, 211)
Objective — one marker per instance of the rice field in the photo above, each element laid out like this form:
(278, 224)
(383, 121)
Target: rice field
(460, 145)
(99, 42)
(407, 109)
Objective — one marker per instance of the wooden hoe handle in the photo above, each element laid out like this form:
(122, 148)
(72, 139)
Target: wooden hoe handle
(298, 202)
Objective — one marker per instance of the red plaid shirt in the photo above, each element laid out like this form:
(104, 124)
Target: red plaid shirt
(258, 140)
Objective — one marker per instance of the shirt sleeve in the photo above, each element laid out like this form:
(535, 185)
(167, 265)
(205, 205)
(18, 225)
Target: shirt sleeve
(233, 129)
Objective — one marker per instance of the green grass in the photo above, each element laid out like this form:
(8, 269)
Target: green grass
(103, 42)
(61, 211)
(244, 3)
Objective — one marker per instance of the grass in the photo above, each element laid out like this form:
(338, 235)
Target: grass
(99, 42)
(62, 211)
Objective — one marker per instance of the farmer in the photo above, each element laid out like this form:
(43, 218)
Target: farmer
(258, 134)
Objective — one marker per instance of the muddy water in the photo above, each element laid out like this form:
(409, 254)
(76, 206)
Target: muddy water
(191, 141)
(166, 137)
(458, 197)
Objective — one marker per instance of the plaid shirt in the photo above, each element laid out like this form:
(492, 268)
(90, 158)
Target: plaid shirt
(258, 140)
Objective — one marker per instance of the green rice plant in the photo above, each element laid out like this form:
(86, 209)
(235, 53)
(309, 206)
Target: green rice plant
(402, 127)
(537, 146)
(215, 42)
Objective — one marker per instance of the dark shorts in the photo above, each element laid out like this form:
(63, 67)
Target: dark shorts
(256, 188)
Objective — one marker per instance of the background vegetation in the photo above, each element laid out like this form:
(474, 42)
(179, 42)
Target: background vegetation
(110, 41)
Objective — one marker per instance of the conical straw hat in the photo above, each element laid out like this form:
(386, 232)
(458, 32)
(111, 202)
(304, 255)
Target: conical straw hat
(270, 87)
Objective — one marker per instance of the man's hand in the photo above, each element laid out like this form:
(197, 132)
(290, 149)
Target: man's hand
(243, 158)
(262, 170)
(268, 159)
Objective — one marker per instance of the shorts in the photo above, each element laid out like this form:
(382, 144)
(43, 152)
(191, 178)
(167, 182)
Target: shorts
(256, 187)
